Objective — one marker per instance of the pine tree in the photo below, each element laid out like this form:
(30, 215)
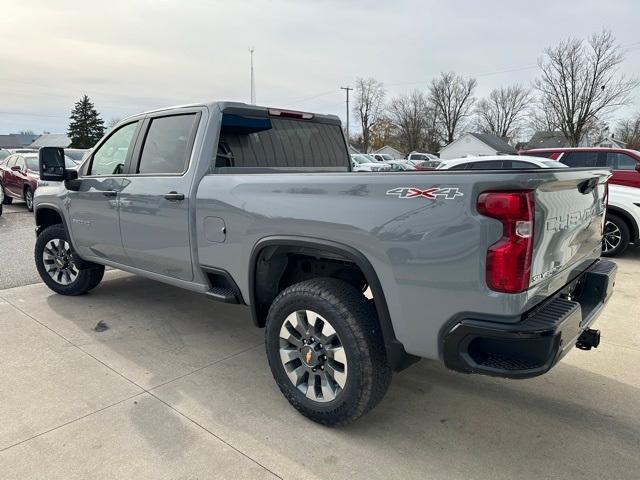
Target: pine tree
(86, 126)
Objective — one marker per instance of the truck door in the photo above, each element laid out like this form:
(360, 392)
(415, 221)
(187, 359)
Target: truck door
(154, 203)
(93, 207)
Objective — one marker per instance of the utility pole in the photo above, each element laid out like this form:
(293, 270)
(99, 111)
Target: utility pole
(347, 90)
(253, 85)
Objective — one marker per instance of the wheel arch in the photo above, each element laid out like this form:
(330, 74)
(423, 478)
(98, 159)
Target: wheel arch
(628, 219)
(47, 215)
(396, 355)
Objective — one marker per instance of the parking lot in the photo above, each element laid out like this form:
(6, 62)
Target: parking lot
(175, 386)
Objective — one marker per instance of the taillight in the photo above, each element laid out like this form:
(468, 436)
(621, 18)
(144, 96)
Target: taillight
(509, 259)
(275, 112)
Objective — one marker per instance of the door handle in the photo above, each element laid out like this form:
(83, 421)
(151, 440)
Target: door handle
(174, 196)
(110, 193)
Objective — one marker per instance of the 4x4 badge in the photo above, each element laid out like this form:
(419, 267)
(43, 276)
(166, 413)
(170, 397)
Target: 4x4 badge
(432, 193)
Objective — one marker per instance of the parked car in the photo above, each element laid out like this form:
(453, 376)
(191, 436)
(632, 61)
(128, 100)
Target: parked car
(418, 157)
(362, 163)
(498, 162)
(622, 225)
(624, 163)
(382, 157)
(456, 270)
(400, 165)
(427, 165)
(19, 175)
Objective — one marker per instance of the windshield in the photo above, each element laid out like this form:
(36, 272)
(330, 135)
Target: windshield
(360, 159)
(32, 163)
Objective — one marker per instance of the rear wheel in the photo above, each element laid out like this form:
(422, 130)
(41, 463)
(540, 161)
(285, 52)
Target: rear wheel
(55, 263)
(326, 351)
(616, 236)
(28, 198)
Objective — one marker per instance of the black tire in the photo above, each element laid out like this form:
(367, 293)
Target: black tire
(7, 200)
(86, 278)
(28, 198)
(616, 229)
(355, 323)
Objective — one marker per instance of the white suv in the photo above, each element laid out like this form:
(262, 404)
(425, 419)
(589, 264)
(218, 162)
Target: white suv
(623, 220)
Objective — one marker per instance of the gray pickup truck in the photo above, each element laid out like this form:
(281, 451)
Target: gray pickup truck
(354, 276)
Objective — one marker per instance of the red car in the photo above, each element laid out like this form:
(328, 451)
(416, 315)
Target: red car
(19, 175)
(624, 163)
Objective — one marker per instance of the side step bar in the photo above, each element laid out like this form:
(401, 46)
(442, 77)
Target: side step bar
(221, 294)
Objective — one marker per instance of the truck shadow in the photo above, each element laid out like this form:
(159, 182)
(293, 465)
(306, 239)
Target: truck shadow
(432, 421)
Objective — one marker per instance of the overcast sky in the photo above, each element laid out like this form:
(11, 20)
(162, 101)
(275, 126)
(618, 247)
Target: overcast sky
(135, 55)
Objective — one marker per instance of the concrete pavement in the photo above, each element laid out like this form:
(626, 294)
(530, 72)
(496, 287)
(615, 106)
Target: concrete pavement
(179, 387)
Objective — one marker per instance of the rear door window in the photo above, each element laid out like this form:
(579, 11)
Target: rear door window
(167, 145)
(516, 164)
(280, 143)
(580, 159)
(488, 165)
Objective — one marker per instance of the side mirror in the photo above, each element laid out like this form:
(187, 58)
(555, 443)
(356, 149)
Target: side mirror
(51, 160)
(16, 168)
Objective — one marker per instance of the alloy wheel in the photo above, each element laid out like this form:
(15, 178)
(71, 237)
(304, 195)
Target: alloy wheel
(28, 198)
(313, 356)
(612, 237)
(58, 261)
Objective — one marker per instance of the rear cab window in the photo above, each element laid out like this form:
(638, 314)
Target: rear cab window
(167, 145)
(272, 142)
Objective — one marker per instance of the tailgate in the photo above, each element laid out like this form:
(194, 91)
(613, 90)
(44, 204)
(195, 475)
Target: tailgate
(569, 214)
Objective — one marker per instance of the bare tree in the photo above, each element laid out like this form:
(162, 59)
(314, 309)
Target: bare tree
(628, 131)
(410, 116)
(452, 99)
(368, 106)
(503, 111)
(580, 81)
(542, 118)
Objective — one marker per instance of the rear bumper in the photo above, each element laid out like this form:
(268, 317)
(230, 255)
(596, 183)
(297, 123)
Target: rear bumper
(533, 345)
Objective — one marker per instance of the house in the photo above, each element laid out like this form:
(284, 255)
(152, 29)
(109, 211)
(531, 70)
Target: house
(610, 142)
(472, 144)
(51, 140)
(17, 140)
(551, 139)
(390, 151)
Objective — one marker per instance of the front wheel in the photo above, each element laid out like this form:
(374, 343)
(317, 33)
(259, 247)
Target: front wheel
(55, 263)
(326, 352)
(28, 198)
(6, 199)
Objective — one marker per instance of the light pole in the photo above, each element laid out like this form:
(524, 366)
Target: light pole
(253, 85)
(347, 90)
